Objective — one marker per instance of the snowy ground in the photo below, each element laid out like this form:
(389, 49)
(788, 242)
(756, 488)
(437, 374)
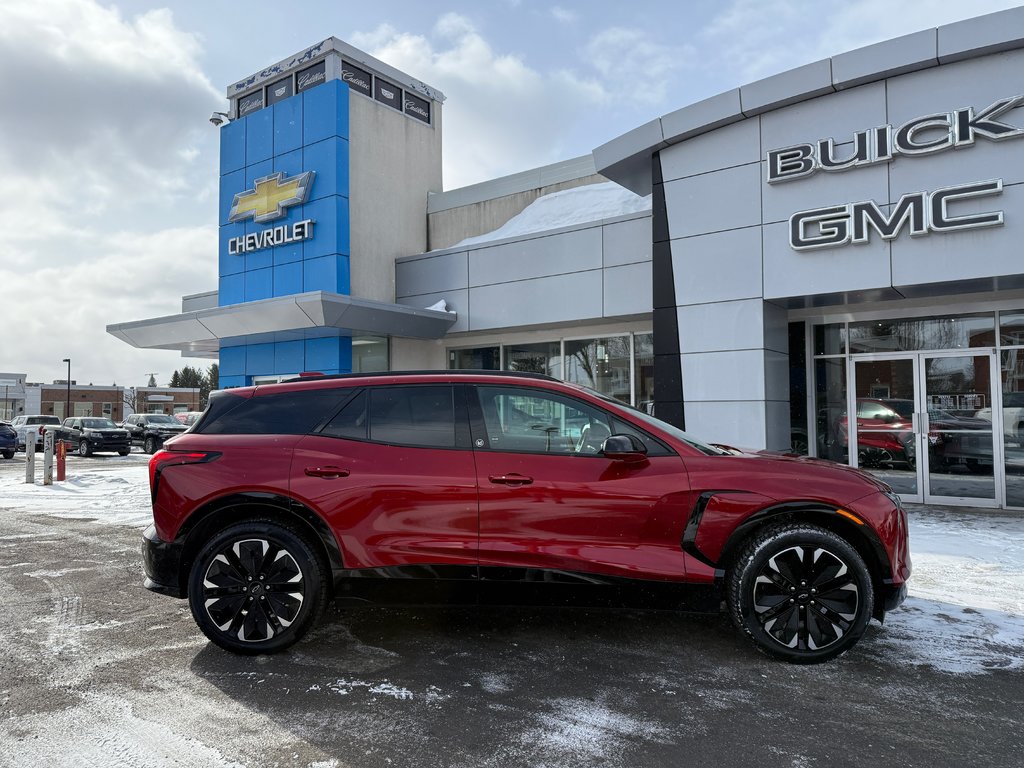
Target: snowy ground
(965, 613)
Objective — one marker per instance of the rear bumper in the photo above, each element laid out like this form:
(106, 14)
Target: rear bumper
(161, 561)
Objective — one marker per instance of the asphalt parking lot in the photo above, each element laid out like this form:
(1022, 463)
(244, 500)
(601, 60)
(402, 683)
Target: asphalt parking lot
(95, 670)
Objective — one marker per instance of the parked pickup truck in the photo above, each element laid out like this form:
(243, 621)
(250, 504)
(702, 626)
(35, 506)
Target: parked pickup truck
(32, 426)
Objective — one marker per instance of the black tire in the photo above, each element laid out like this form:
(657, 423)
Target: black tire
(150, 445)
(772, 597)
(257, 587)
(8, 454)
(124, 451)
(84, 448)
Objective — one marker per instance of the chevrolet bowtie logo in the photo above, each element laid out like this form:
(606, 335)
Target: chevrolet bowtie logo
(270, 197)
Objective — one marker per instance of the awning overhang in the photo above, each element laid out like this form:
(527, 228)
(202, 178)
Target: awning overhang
(304, 315)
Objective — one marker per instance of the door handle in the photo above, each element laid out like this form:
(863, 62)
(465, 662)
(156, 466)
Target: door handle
(512, 479)
(329, 473)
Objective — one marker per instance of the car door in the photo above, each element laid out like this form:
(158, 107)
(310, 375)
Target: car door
(550, 499)
(393, 474)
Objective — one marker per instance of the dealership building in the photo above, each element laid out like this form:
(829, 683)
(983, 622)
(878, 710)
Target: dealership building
(839, 238)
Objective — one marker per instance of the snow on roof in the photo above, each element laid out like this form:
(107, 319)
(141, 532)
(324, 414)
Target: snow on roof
(579, 205)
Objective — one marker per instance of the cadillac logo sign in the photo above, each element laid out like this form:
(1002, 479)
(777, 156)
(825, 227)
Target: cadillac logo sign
(268, 200)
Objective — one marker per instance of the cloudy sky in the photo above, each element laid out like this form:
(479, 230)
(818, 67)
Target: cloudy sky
(108, 166)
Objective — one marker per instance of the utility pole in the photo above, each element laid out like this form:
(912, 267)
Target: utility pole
(67, 406)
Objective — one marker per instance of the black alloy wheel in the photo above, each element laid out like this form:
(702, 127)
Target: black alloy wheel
(801, 592)
(84, 447)
(257, 587)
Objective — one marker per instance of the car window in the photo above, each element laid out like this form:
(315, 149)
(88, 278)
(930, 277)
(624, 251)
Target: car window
(532, 421)
(161, 418)
(420, 415)
(98, 424)
(351, 422)
(867, 409)
(285, 413)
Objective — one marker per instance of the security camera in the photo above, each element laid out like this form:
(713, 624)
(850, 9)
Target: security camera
(219, 118)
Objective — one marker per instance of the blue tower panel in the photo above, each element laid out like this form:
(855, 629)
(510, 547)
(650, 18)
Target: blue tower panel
(329, 158)
(232, 146)
(325, 112)
(259, 136)
(230, 264)
(331, 230)
(287, 124)
(259, 359)
(327, 273)
(329, 355)
(290, 163)
(289, 357)
(232, 362)
(230, 185)
(231, 289)
(287, 279)
(259, 284)
(257, 171)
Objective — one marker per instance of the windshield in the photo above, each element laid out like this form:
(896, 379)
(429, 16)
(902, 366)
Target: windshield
(98, 424)
(162, 418)
(675, 432)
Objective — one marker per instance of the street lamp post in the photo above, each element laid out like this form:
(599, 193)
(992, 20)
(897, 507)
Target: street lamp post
(67, 404)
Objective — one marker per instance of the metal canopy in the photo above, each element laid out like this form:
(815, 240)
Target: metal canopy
(303, 315)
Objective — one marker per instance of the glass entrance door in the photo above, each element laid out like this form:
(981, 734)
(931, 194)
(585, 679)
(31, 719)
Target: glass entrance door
(924, 425)
(962, 461)
(884, 432)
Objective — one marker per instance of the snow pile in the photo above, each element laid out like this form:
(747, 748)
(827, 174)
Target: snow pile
(965, 612)
(117, 496)
(579, 205)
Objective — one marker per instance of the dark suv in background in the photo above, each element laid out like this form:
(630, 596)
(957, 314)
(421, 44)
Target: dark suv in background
(89, 434)
(283, 495)
(150, 430)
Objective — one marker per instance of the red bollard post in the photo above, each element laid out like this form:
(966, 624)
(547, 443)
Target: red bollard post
(62, 452)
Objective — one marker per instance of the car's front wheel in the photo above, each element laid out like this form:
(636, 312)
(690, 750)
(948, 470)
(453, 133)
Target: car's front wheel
(84, 448)
(8, 454)
(257, 587)
(802, 593)
(149, 445)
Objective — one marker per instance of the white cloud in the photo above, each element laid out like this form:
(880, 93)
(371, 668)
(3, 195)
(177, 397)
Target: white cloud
(564, 15)
(754, 39)
(99, 156)
(501, 115)
(634, 67)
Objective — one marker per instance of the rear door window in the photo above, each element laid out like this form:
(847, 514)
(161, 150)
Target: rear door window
(417, 415)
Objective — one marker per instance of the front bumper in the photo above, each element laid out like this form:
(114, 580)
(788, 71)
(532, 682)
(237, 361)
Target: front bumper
(161, 561)
(893, 595)
(109, 444)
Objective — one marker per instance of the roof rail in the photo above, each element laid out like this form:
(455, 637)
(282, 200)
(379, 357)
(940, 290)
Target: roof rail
(444, 372)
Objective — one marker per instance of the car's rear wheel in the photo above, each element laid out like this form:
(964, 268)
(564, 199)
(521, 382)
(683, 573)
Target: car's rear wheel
(149, 445)
(257, 587)
(802, 593)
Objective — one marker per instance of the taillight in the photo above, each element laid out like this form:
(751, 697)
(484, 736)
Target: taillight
(164, 458)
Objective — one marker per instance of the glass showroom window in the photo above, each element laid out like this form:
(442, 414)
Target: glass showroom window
(369, 354)
(476, 359)
(643, 372)
(603, 364)
(545, 358)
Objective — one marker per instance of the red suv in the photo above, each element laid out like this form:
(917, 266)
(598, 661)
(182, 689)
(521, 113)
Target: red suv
(282, 496)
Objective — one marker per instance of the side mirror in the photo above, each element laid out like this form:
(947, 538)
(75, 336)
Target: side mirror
(624, 448)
